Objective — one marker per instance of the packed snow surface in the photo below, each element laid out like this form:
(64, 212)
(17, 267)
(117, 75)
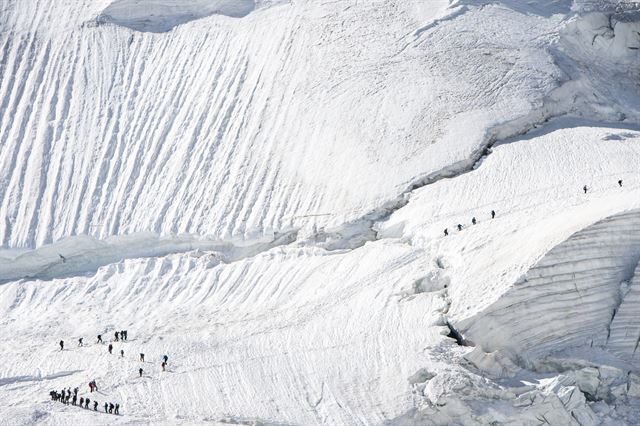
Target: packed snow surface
(260, 190)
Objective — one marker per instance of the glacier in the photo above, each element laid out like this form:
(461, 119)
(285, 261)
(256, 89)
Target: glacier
(260, 189)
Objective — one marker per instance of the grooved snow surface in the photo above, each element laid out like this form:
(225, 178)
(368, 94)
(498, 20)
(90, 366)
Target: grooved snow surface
(231, 128)
(259, 190)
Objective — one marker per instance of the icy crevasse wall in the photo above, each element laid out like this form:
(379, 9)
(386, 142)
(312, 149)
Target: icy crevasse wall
(236, 127)
(624, 335)
(569, 297)
(163, 15)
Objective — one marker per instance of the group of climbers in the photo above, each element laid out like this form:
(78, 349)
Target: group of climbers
(473, 221)
(493, 213)
(65, 397)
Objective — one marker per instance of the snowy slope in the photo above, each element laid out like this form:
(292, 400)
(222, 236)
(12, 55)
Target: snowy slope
(257, 339)
(260, 189)
(575, 287)
(259, 122)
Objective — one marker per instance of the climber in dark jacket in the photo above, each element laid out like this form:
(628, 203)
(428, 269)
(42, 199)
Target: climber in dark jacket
(446, 232)
(473, 220)
(459, 227)
(110, 348)
(61, 345)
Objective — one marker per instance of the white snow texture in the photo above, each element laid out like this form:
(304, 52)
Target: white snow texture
(260, 190)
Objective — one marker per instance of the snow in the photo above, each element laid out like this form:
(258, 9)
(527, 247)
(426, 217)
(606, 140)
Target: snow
(540, 202)
(259, 190)
(203, 137)
(574, 287)
(163, 15)
(624, 331)
(83, 254)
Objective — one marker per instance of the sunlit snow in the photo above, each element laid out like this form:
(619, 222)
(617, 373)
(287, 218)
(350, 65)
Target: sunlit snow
(260, 191)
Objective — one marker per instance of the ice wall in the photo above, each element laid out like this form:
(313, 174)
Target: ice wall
(570, 297)
(624, 332)
(164, 15)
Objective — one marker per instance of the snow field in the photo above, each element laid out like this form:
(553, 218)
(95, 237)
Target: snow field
(203, 137)
(263, 198)
(540, 201)
(249, 339)
(200, 317)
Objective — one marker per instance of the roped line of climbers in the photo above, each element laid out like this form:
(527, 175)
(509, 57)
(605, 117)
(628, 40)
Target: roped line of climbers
(493, 212)
(65, 396)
